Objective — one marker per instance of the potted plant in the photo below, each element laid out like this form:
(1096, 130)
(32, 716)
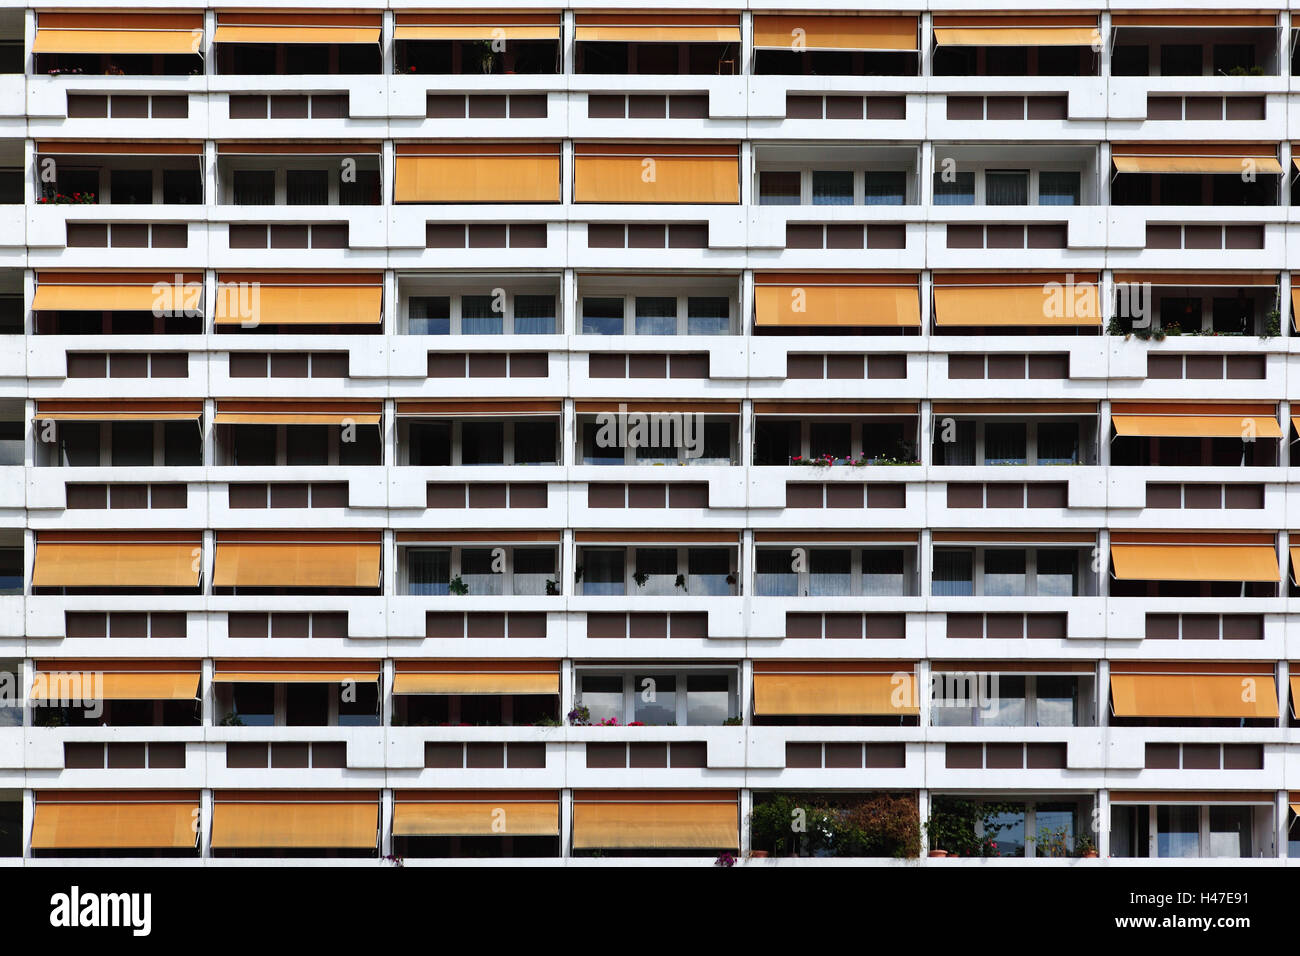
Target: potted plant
(552, 587)
(457, 586)
(641, 577)
(580, 716)
(1084, 847)
(680, 581)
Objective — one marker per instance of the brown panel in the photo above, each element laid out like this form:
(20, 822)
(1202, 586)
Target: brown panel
(887, 236)
(288, 236)
(485, 756)
(1004, 756)
(1243, 627)
(528, 495)
(1203, 108)
(1047, 494)
(444, 756)
(886, 107)
(1165, 366)
(173, 495)
(688, 756)
(1052, 366)
(289, 107)
(844, 107)
(246, 756)
(1162, 756)
(844, 236)
(446, 365)
(246, 624)
(965, 107)
(643, 106)
(1002, 236)
(963, 756)
(688, 106)
(528, 235)
(1203, 497)
(845, 366)
(688, 235)
(1006, 366)
(647, 626)
(329, 756)
(83, 756)
(1246, 366)
(1200, 756)
(487, 495)
(688, 365)
(1044, 756)
(688, 495)
(487, 365)
(843, 756)
(803, 626)
(886, 756)
(605, 626)
(643, 365)
(607, 365)
(487, 107)
(965, 366)
(605, 235)
(87, 497)
(1004, 495)
(688, 626)
(128, 497)
(646, 235)
(485, 624)
(1243, 496)
(444, 624)
(289, 495)
(525, 625)
(602, 106)
(1202, 237)
(802, 756)
(804, 236)
(844, 627)
(1005, 626)
(290, 624)
(1237, 108)
(802, 495)
(1164, 237)
(965, 236)
(1204, 366)
(487, 236)
(844, 495)
(438, 235)
(892, 495)
(521, 756)
(440, 495)
(1243, 756)
(965, 495)
(85, 624)
(1005, 108)
(649, 495)
(133, 624)
(652, 756)
(1200, 627)
(1046, 107)
(606, 756)
(965, 626)
(886, 627)
(803, 107)
(87, 235)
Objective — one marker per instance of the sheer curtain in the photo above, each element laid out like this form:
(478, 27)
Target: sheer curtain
(1006, 189)
(954, 573)
(428, 571)
(885, 189)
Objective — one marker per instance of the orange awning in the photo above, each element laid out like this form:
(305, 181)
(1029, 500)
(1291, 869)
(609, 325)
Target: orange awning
(617, 173)
(299, 26)
(115, 680)
(1023, 306)
(275, 820)
(805, 693)
(638, 821)
(1193, 695)
(657, 28)
(476, 677)
(118, 33)
(262, 303)
(297, 413)
(478, 173)
(1017, 36)
(98, 298)
(117, 411)
(1199, 158)
(1194, 562)
(1196, 426)
(286, 671)
(813, 32)
(114, 821)
(117, 560)
(296, 560)
(476, 813)
(784, 300)
(507, 25)
(1295, 685)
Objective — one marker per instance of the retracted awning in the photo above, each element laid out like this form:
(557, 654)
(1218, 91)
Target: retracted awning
(506, 25)
(117, 292)
(1196, 158)
(1194, 695)
(118, 820)
(476, 813)
(299, 26)
(657, 28)
(252, 300)
(298, 413)
(783, 300)
(115, 680)
(287, 671)
(1016, 30)
(1196, 426)
(829, 689)
(117, 411)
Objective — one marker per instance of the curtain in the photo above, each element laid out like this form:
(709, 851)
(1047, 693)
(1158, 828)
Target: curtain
(428, 571)
(959, 192)
(534, 315)
(1004, 572)
(656, 315)
(832, 188)
(1004, 443)
(954, 574)
(885, 189)
(477, 317)
(1058, 189)
(1006, 189)
(882, 572)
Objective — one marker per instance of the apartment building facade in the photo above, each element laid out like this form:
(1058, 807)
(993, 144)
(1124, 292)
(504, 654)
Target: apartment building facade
(647, 433)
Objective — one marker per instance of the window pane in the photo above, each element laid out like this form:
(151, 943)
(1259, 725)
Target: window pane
(1057, 568)
(1058, 189)
(307, 445)
(602, 571)
(1005, 706)
(429, 315)
(708, 315)
(533, 568)
(1006, 188)
(708, 700)
(534, 315)
(832, 188)
(535, 443)
(132, 444)
(254, 187)
(774, 576)
(707, 570)
(482, 443)
(655, 699)
(477, 573)
(1055, 699)
(603, 696)
(599, 445)
(255, 704)
(717, 445)
(959, 192)
(1230, 831)
(656, 315)
(778, 189)
(1004, 572)
(358, 705)
(1179, 833)
(830, 572)
(1058, 443)
(830, 438)
(656, 571)
(954, 574)
(885, 189)
(602, 315)
(428, 570)
(1055, 820)
(955, 444)
(478, 317)
(882, 573)
(1007, 833)
(307, 187)
(1004, 443)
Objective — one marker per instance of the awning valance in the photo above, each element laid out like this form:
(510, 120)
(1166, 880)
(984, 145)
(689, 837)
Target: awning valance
(299, 26)
(1026, 301)
(298, 413)
(476, 677)
(249, 299)
(657, 28)
(63, 680)
(506, 25)
(71, 410)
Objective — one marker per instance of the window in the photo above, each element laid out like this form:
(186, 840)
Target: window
(1004, 573)
(1057, 700)
(1004, 443)
(708, 315)
(1230, 829)
(428, 571)
(478, 317)
(662, 698)
(132, 444)
(656, 570)
(954, 573)
(1058, 189)
(775, 575)
(131, 186)
(1178, 828)
(1058, 443)
(708, 570)
(482, 443)
(476, 571)
(602, 571)
(885, 188)
(307, 445)
(254, 187)
(307, 187)
(1057, 571)
(655, 699)
(954, 189)
(1180, 59)
(429, 315)
(535, 443)
(832, 188)
(602, 315)
(830, 572)
(656, 315)
(883, 572)
(602, 695)
(1006, 188)
(11, 570)
(779, 188)
(993, 699)
(254, 704)
(535, 315)
(358, 704)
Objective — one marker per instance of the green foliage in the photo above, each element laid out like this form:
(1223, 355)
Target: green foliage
(457, 586)
(879, 826)
(955, 826)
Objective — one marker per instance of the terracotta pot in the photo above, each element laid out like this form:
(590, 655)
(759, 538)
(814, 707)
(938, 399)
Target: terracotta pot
(1090, 855)
(758, 854)
(939, 853)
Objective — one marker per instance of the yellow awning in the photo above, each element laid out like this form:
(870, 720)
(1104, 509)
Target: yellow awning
(781, 306)
(1015, 306)
(1196, 426)
(834, 694)
(509, 32)
(475, 818)
(647, 825)
(1295, 308)
(128, 411)
(1016, 36)
(300, 305)
(296, 564)
(813, 32)
(1194, 562)
(269, 671)
(118, 41)
(664, 33)
(1196, 164)
(276, 824)
(467, 683)
(1193, 695)
(1295, 683)
(296, 34)
(630, 174)
(297, 413)
(98, 298)
(114, 825)
(115, 685)
(464, 178)
(114, 564)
